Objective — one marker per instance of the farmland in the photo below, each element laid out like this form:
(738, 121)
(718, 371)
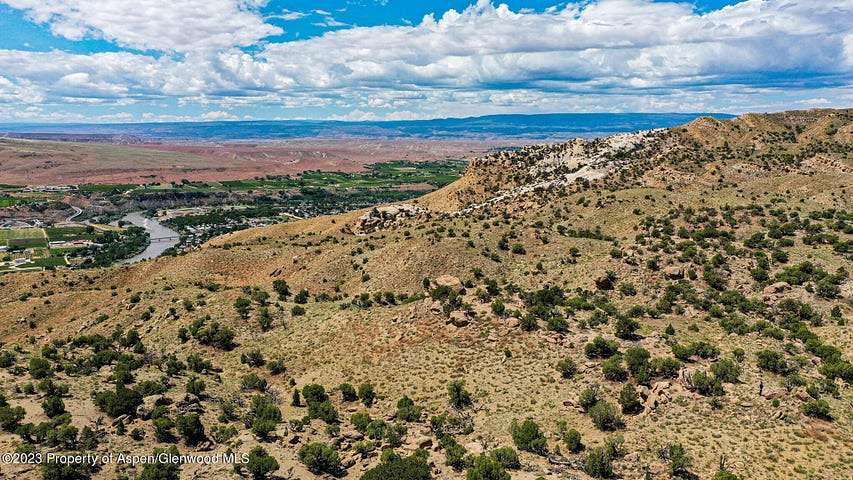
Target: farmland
(197, 210)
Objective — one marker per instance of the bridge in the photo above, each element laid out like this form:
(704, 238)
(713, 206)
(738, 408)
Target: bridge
(165, 239)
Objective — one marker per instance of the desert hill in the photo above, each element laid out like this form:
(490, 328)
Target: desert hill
(679, 298)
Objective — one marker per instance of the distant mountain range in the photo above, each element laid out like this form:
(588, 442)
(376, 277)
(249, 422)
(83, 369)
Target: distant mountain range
(543, 126)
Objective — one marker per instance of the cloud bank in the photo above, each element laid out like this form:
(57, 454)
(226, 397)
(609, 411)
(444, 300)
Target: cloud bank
(600, 55)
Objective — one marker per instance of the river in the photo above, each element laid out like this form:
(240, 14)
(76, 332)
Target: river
(155, 230)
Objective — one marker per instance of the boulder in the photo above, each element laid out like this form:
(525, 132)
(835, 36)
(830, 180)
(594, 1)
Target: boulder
(451, 282)
(674, 272)
(458, 319)
(774, 393)
(348, 461)
(475, 448)
(802, 395)
(777, 287)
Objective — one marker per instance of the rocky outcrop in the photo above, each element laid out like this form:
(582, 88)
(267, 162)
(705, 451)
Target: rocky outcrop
(381, 218)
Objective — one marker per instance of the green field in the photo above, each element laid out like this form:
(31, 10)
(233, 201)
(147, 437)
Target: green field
(7, 234)
(65, 234)
(23, 237)
(387, 175)
(50, 262)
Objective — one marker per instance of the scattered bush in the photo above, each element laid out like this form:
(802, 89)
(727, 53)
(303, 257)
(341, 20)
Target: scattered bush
(348, 392)
(320, 458)
(601, 348)
(727, 370)
(629, 400)
(486, 467)
(528, 437)
(261, 464)
(598, 463)
(459, 397)
(507, 457)
(605, 417)
(407, 411)
(817, 409)
(413, 467)
(567, 367)
(366, 394)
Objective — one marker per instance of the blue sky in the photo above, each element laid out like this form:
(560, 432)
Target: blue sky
(160, 60)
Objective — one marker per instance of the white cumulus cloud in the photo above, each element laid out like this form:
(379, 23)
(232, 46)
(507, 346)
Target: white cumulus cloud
(596, 55)
(165, 25)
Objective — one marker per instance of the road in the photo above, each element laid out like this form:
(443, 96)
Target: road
(77, 212)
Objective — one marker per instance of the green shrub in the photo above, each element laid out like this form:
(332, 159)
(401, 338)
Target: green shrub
(53, 406)
(601, 348)
(10, 417)
(413, 467)
(727, 370)
(725, 475)
(53, 470)
(320, 458)
(252, 381)
(507, 457)
(407, 411)
(191, 428)
(589, 397)
(772, 361)
(314, 393)
(454, 453)
(348, 393)
(325, 411)
(817, 409)
(598, 463)
(261, 464)
(459, 397)
(679, 460)
(395, 434)
(629, 400)
(263, 416)
(626, 327)
(40, 368)
(367, 394)
(572, 439)
(195, 386)
(486, 467)
(666, 367)
(122, 401)
(162, 470)
(613, 370)
(605, 417)
(637, 360)
(527, 437)
(252, 358)
(360, 421)
(567, 367)
(707, 385)
(163, 426)
(276, 367)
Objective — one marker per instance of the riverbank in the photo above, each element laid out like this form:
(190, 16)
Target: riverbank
(162, 237)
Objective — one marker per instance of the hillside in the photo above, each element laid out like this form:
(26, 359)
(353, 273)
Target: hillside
(678, 298)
